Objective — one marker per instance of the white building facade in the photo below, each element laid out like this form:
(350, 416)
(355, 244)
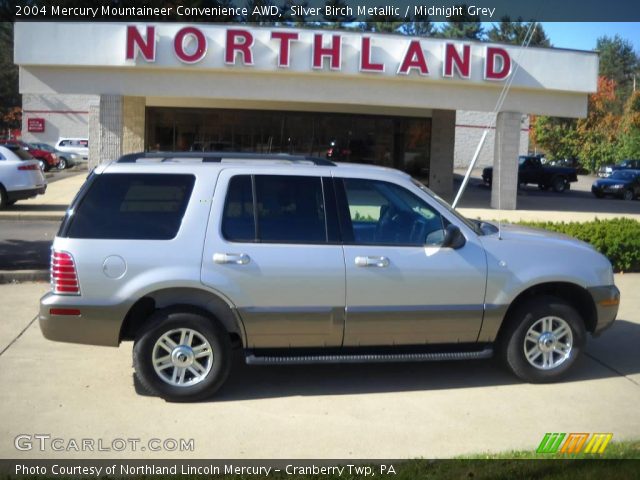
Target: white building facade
(418, 104)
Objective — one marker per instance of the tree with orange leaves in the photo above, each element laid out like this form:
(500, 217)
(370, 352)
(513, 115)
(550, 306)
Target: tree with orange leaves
(598, 132)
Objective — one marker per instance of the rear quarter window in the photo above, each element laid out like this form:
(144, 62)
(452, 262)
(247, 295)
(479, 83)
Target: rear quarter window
(132, 207)
(21, 154)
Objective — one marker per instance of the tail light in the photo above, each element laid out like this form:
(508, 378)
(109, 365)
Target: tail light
(64, 278)
(33, 166)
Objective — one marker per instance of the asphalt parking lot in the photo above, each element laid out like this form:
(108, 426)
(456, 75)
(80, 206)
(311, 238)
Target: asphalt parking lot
(331, 411)
(577, 199)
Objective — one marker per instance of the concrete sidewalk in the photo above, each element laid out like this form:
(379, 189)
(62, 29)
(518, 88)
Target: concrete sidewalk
(430, 410)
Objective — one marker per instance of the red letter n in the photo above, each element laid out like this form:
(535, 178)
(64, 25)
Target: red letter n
(135, 43)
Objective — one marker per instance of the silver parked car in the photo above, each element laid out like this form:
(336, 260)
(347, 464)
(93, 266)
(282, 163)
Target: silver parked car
(20, 175)
(301, 260)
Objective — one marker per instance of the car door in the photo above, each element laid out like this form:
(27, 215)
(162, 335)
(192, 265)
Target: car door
(272, 249)
(402, 287)
(529, 171)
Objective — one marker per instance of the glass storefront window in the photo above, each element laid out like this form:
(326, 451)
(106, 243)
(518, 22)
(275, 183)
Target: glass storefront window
(399, 142)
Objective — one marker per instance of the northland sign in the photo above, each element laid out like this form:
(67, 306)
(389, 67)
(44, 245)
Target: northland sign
(313, 50)
(182, 64)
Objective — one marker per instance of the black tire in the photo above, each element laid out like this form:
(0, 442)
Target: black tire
(511, 343)
(628, 195)
(4, 198)
(164, 321)
(44, 166)
(62, 164)
(598, 194)
(559, 184)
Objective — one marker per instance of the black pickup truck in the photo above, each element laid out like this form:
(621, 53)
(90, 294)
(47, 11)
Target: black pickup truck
(532, 170)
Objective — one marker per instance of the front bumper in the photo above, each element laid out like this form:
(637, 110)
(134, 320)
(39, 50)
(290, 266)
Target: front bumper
(94, 325)
(616, 192)
(607, 300)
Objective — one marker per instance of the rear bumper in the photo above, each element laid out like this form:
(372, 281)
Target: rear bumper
(94, 325)
(607, 300)
(24, 194)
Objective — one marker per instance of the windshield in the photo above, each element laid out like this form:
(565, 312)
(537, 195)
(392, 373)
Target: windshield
(475, 226)
(42, 146)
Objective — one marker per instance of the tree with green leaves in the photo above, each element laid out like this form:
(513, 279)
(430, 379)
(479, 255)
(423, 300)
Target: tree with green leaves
(618, 62)
(515, 32)
(382, 24)
(463, 26)
(629, 138)
(10, 101)
(419, 26)
(555, 136)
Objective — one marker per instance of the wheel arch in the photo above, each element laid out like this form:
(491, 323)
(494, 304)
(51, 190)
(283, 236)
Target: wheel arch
(190, 299)
(575, 295)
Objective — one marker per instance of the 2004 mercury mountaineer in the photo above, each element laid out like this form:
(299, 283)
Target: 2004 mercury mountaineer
(301, 260)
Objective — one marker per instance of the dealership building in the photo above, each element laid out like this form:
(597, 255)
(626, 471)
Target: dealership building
(418, 104)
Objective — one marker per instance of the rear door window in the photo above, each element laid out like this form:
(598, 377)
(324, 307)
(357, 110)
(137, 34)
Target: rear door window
(132, 207)
(287, 209)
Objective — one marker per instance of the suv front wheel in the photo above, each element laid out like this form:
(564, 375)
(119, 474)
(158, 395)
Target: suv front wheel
(181, 355)
(543, 339)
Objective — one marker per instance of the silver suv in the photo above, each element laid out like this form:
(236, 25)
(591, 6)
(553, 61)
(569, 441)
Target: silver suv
(301, 260)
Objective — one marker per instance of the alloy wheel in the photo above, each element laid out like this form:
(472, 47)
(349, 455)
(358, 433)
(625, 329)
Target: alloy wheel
(182, 357)
(548, 343)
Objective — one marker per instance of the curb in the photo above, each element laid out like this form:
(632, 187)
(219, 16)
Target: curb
(19, 276)
(57, 217)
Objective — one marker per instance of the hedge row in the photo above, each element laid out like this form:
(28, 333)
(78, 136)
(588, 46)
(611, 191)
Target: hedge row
(618, 239)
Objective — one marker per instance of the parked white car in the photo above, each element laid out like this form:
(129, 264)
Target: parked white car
(20, 175)
(74, 145)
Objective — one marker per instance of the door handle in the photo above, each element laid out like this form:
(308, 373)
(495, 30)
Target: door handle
(235, 258)
(372, 262)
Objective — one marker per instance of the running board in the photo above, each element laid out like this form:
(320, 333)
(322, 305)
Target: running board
(252, 359)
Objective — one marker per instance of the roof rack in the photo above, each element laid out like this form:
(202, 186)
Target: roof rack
(219, 157)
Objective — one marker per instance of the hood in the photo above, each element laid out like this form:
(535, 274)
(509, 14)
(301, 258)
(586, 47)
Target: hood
(603, 182)
(539, 235)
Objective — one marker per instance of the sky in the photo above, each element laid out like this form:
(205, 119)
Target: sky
(583, 35)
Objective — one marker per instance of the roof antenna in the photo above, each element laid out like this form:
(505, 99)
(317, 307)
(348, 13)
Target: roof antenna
(499, 103)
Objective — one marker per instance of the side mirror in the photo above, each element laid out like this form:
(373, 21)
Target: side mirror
(453, 237)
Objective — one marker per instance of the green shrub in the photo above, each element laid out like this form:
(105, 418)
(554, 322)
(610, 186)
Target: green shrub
(617, 239)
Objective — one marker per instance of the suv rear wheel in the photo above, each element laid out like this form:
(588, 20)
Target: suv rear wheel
(181, 355)
(542, 340)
